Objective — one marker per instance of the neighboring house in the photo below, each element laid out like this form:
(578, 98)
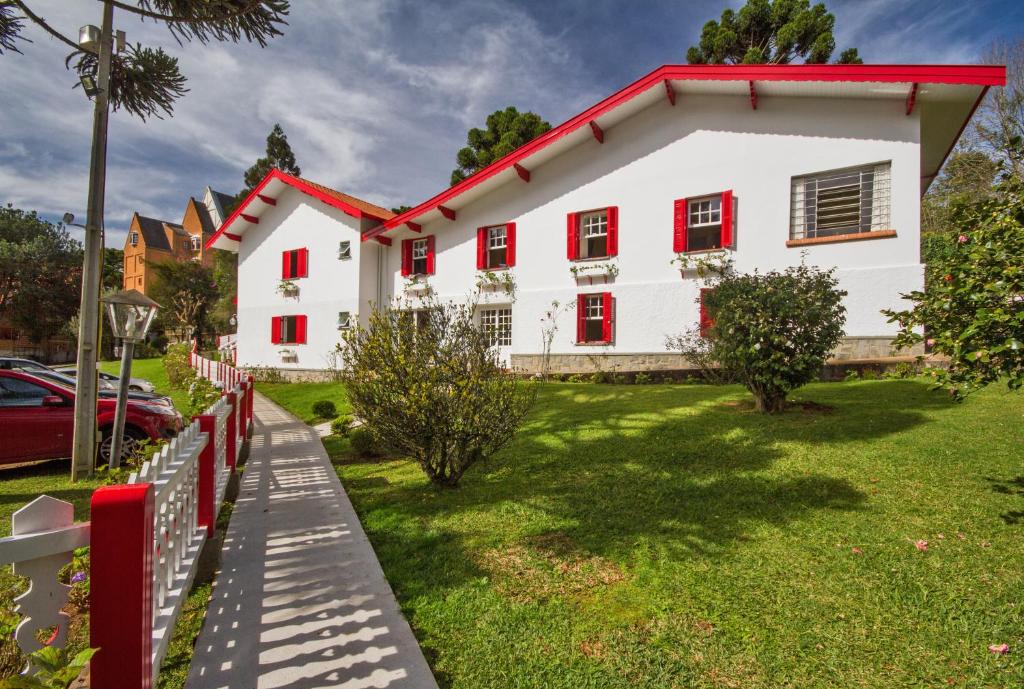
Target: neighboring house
(769, 164)
(152, 241)
(58, 349)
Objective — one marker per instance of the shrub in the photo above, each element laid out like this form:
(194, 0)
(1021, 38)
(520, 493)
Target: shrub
(575, 378)
(201, 394)
(600, 377)
(431, 386)
(775, 330)
(643, 378)
(341, 425)
(266, 374)
(325, 409)
(972, 308)
(176, 363)
(363, 442)
(697, 350)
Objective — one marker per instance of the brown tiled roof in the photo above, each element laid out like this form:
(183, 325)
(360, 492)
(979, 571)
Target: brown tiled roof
(153, 232)
(364, 206)
(204, 216)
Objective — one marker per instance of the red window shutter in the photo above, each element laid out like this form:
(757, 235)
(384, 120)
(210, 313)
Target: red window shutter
(613, 230)
(726, 218)
(510, 241)
(581, 313)
(286, 265)
(706, 321)
(406, 257)
(481, 248)
(430, 255)
(300, 330)
(606, 311)
(572, 238)
(275, 330)
(303, 263)
(679, 218)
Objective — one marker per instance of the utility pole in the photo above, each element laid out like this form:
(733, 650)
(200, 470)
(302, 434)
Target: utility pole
(83, 458)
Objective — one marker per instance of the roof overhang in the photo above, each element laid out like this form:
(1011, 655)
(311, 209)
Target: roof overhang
(945, 97)
(264, 196)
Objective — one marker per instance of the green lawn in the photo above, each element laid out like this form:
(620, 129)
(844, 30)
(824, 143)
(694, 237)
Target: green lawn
(298, 398)
(668, 536)
(153, 371)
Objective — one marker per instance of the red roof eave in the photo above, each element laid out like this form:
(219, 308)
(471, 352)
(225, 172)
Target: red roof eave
(291, 181)
(979, 75)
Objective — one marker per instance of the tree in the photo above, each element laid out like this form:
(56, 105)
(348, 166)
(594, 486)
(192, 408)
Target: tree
(773, 331)
(40, 272)
(973, 308)
(506, 131)
(146, 81)
(968, 175)
(398, 210)
(999, 123)
(430, 384)
(770, 32)
(186, 292)
(113, 269)
(225, 276)
(279, 155)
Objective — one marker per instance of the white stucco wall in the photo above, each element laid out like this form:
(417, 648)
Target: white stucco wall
(704, 145)
(333, 285)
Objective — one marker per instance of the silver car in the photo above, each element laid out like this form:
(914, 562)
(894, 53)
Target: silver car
(134, 384)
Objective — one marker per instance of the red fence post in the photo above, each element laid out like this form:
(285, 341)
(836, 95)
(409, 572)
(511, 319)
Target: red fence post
(121, 586)
(232, 430)
(243, 410)
(207, 489)
(249, 406)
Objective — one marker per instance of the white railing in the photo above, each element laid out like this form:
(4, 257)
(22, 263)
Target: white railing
(145, 539)
(177, 537)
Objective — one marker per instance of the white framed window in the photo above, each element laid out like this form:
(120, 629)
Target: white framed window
(704, 223)
(593, 318)
(594, 234)
(344, 250)
(497, 246)
(420, 249)
(344, 320)
(134, 239)
(497, 326)
(195, 243)
(848, 201)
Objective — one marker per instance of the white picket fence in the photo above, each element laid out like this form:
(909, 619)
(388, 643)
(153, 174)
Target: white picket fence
(136, 590)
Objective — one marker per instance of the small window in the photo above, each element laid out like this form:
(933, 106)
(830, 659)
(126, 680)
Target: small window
(195, 243)
(594, 234)
(290, 330)
(344, 320)
(848, 201)
(134, 239)
(420, 251)
(593, 317)
(497, 247)
(345, 250)
(294, 264)
(704, 224)
(497, 326)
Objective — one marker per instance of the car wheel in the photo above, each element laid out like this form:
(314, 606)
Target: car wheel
(133, 437)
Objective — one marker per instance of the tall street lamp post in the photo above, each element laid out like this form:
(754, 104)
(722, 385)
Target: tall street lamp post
(83, 457)
(131, 313)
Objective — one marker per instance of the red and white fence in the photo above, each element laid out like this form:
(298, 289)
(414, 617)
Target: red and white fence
(144, 538)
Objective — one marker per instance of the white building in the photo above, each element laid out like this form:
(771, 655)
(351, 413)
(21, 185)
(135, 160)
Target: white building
(767, 163)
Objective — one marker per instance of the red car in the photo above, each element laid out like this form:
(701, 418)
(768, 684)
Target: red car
(37, 419)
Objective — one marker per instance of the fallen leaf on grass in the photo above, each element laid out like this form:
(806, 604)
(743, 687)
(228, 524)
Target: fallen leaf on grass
(921, 545)
(857, 551)
(999, 649)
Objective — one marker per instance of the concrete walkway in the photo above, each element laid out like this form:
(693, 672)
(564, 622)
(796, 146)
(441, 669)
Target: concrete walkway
(300, 600)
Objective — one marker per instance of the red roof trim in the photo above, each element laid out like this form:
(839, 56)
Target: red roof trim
(978, 75)
(291, 181)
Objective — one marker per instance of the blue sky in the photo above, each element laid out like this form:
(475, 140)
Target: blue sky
(376, 96)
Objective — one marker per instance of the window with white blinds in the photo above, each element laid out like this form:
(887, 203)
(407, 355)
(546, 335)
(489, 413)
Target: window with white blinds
(841, 202)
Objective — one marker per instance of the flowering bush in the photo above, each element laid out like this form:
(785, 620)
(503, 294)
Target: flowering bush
(972, 309)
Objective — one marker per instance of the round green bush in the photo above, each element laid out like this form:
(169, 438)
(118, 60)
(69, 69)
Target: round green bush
(325, 409)
(341, 425)
(363, 442)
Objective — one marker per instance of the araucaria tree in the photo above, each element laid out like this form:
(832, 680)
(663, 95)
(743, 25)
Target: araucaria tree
(770, 32)
(773, 331)
(972, 310)
(146, 81)
(430, 384)
(279, 155)
(506, 131)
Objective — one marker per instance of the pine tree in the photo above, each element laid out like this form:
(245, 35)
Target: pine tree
(279, 155)
(506, 131)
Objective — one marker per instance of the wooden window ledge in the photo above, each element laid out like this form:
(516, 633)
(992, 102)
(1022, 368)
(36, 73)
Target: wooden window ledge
(856, 236)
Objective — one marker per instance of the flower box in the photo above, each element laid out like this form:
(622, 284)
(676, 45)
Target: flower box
(588, 272)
